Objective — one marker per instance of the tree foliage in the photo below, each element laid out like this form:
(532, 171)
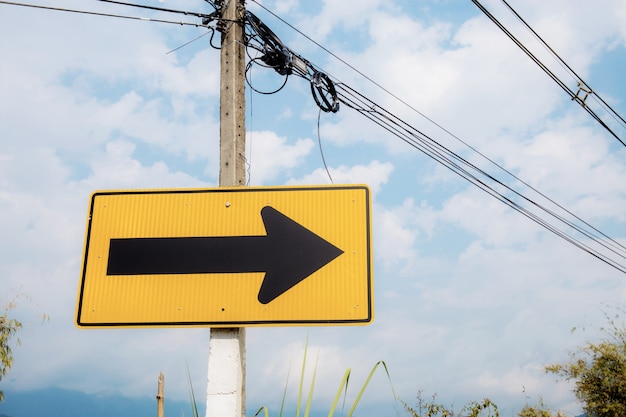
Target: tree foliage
(538, 410)
(429, 407)
(8, 328)
(599, 373)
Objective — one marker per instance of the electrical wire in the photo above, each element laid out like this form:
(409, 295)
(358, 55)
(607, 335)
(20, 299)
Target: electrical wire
(481, 179)
(574, 96)
(211, 32)
(328, 93)
(248, 77)
(366, 77)
(405, 103)
(319, 142)
(265, 48)
(249, 141)
(582, 84)
(489, 183)
(160, 9)
(60, 9)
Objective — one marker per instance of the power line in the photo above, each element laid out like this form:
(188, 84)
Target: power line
(328, 93)
(412, 108)
(582, 83)
(60, 9)
(481, 179)
(160, 9)
(280, 55)
(575, 96)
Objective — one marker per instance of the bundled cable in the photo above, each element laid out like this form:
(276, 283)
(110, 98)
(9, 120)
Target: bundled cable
(272, 53)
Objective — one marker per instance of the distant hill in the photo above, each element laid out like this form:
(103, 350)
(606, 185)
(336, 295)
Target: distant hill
(56, 402)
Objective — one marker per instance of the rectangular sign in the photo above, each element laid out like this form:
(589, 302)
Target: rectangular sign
(228, 257)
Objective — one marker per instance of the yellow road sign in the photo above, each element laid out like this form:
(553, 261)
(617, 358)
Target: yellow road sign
(228, 257)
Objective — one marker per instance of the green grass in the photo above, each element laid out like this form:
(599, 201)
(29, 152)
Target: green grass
(192, 396)
(341, 391)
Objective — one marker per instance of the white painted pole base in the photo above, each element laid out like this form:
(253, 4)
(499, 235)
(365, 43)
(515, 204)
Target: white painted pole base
(226, 374)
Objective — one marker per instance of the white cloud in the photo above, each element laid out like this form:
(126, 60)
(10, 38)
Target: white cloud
(374, 175)
(117, 169)
(269, 155)
(488, 219)
(344, 15)
(471, 298)
(399, 230)
(285, 6)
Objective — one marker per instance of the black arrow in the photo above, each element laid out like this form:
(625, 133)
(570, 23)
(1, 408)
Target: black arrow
(288, 254)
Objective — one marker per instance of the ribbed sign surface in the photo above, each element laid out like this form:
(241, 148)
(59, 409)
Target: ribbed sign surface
(228, 257)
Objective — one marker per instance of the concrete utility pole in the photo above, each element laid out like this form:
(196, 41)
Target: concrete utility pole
(232, 97)
(227, 347)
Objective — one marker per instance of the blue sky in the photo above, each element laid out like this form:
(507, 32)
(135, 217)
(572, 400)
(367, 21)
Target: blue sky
(472, 298)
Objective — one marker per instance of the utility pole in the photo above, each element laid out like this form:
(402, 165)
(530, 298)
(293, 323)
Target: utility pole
(161, 396)
(232, 96)
(227, 347)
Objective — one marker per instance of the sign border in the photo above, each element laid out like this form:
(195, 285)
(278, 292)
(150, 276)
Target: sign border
(239, 323)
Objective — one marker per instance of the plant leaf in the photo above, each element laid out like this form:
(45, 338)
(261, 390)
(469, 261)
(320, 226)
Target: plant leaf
(192, 396)
(369, 377)
(306, 348)
(344, 383)
(310, 397)
(265, 412)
